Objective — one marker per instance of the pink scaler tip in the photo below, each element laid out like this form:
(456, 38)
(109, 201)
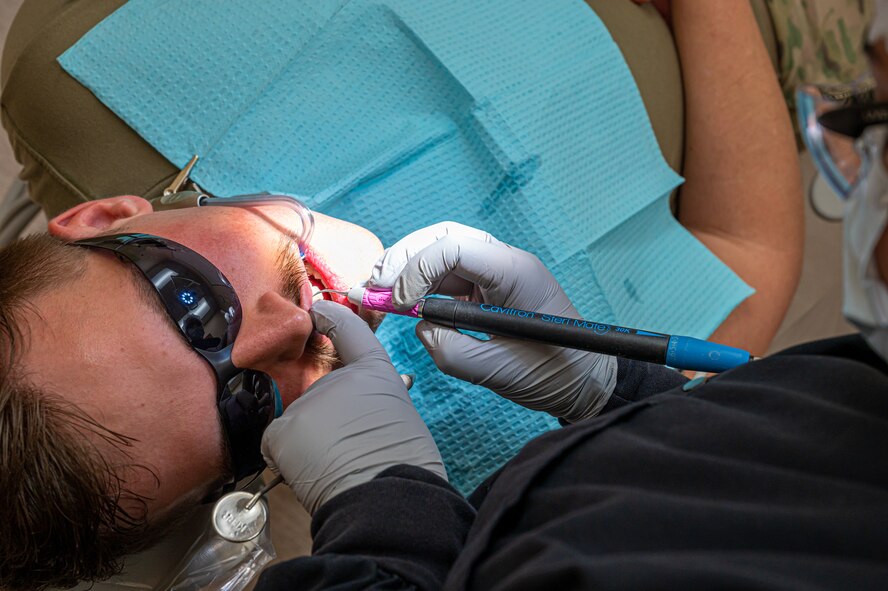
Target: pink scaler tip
(378, 299)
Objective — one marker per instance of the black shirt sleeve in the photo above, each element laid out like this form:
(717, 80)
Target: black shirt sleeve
(402, 530)
(768, 476)
(637, 380)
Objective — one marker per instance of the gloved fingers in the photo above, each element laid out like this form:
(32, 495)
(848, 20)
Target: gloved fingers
(273, 443)
(464, 357)
(295, 445)
(351, 337)
(493, 267)
(268, 454)
(270, 462)
(392, 262)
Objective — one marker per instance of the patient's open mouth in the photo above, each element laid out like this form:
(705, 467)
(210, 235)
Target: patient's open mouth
(317, 285)
(321, 277)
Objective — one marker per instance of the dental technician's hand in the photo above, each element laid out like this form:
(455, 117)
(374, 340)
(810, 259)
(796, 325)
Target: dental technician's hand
(351, 424)
(453, 259)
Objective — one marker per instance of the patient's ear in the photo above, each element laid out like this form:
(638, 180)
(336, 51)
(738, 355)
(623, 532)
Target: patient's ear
(97, 217)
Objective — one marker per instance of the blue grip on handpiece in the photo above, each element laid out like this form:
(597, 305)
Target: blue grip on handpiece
(688, 352)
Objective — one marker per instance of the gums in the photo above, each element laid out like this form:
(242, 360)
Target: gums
(330, 278)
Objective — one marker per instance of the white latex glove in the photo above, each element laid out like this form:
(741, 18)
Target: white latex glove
(456, 260)
(351, 424)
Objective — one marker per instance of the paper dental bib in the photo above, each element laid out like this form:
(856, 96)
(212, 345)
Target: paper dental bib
(518, 117)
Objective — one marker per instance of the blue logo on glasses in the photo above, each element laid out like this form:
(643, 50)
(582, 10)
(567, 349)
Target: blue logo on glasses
(187, 297)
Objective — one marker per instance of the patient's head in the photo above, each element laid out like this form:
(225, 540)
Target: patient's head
(108, 419)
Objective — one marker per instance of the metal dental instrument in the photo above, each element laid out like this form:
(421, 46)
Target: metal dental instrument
(673, 350)
(181, 178)
(275, 481)
(239, 516)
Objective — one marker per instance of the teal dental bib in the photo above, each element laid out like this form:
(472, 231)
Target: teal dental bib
(518, 117)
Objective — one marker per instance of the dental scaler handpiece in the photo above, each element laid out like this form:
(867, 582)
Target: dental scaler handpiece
(675, 351)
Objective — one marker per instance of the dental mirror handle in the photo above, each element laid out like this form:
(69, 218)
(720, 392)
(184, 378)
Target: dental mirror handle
(255, 499)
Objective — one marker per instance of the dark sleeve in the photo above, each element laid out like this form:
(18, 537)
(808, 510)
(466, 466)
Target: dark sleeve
(637, 380)
(852, 346)
(401, 530)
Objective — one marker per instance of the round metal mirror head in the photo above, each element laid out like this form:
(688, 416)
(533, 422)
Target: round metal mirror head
(234, 522)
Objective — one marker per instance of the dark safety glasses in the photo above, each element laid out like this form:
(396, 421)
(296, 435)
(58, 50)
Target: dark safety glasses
(203, 304)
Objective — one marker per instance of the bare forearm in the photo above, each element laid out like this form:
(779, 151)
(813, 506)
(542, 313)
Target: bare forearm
(743, 195)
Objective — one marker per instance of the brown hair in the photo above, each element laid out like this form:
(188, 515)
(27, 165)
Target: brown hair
(65, 511)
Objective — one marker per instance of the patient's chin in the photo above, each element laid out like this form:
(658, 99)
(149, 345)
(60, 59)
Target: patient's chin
(322, 353)
(321, 350)
(319, 359)
(323, 357)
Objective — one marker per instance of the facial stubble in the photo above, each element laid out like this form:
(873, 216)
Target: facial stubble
(293, 276)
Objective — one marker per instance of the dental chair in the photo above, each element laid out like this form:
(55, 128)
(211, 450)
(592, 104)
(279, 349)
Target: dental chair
(19, 216)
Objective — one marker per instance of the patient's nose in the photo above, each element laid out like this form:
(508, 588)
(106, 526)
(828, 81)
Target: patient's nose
(274, 330)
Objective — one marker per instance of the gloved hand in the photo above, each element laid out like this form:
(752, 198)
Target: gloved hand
(351, 424)
(456, 260)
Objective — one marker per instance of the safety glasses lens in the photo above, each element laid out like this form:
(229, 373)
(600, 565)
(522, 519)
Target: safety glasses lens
(197, 297)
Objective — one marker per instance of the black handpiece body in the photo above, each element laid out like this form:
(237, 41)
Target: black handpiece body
(547, 328)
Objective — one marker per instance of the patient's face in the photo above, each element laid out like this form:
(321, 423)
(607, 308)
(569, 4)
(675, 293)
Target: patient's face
(101, 343)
